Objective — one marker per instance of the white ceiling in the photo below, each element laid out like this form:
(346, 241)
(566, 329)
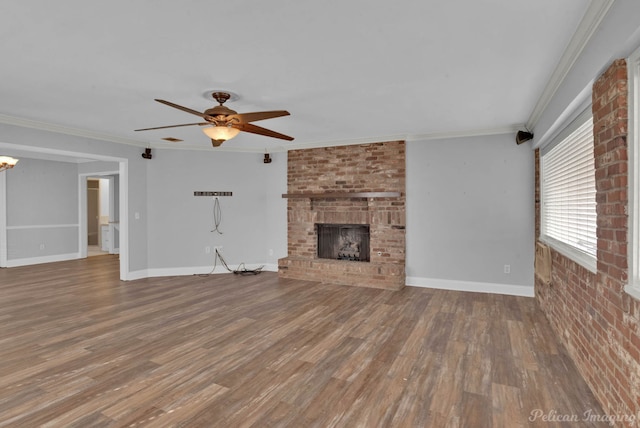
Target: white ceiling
(346, 70)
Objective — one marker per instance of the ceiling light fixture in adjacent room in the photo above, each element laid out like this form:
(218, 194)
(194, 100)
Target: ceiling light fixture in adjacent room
(7, 162)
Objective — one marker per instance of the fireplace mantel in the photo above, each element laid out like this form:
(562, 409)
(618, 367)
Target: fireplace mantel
(329, 195)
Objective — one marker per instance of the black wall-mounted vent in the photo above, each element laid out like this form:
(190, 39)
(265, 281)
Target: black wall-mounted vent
(212, 193)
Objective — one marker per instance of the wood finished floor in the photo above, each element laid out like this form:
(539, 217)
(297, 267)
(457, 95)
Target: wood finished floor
(79, 348)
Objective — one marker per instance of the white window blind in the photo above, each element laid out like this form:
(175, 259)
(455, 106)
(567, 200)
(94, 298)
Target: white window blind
(569, 191)
(633, 64)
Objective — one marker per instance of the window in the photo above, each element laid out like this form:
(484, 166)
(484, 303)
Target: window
(568, 190)
(633, 141)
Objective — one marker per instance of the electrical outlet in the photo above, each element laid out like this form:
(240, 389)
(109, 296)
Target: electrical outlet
(218, 249)
(207, 250)
(42, 246)
(507, 268)
(271, 251)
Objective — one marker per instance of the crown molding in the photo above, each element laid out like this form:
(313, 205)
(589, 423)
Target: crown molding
(406, 137)
(28, 123)
(60, 129)
(510, 129)
(351, 142)
(225, 147)
(596, 11)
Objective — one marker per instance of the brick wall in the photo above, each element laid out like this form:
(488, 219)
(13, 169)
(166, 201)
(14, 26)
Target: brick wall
(597, 321)
(377, 167)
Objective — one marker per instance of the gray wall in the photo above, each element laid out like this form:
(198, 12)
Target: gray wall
(276, 209)
(98, 167)
(42, 209)
(181, 224)
(470, 210)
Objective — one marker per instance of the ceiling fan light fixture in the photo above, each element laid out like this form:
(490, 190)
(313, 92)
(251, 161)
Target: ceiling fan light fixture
(226, 123)
(220, 133)
(7, 162)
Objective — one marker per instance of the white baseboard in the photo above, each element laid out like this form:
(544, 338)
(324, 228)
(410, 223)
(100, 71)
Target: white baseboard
(138, 274)
(44, 259)
(270, 267)
(477, 287)
(193, 270)
(183, 271)
(442, 284)
(178, 271)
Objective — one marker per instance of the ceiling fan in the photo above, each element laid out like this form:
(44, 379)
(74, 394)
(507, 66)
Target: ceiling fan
(226, 123)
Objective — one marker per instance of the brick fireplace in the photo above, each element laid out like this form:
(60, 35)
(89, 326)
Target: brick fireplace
(356, 185)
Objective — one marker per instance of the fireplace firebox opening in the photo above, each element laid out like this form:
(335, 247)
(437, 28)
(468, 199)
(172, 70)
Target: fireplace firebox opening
(343, 242)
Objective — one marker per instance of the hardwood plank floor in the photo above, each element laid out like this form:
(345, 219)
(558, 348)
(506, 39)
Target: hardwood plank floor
(79, 348)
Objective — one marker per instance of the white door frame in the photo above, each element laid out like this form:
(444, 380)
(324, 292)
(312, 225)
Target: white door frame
(3, 219)
(82, 205)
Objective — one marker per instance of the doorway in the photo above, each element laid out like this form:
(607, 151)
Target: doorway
(93, 212)
(102, 215)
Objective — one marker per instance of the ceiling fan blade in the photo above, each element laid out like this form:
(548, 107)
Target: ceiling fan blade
(172, 126)
(260, 115)
(188, 110)
(247, 127)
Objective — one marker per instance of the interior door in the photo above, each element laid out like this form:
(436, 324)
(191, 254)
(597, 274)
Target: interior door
(93, 211)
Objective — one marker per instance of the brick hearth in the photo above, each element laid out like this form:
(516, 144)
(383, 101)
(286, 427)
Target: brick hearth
(340, 171)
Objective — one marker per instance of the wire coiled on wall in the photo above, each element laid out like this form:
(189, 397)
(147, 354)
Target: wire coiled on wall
(217, 216)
